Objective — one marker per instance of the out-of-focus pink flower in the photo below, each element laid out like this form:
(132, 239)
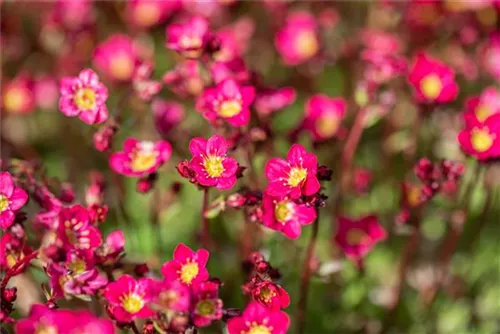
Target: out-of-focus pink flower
(74, 14)
(116, 57)
(12, 199)
(167, 115)
(75, 229)
(140, 158)
(233, 40)
(484, 105)
(148, 13)
(490, 56)
(84, 96)
(46, 92)
(211, 164)
(189, 38)
(233, 69)
(129, 299)
(18, 95)
(257, 318)
(112, 248)
(185, 79)
(323, 116)
(143, 85)
(362, 180)
(206, 305)
(268, 101)
(172, 295)
(187, 266)
(270, 295)
(229, 101)
(294, 176)
(481, 139)
(286, 216)
(432, 80)
(44, 320)
(357, 237)
(298, 40)
(12, 250)
(74, 280)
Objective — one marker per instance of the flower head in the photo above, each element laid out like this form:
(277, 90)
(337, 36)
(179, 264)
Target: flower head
(147, 13)
(490, 56)
(189, 38)
(269, 101)
(485, 105)
(172, 295)
(187, 266)
(323, 116)
(12, 250)
(227, 100)
(185, 79)
(167, 115)
(358, 236)
(84, 96)
(112, 248)
(206, 305)
(270, 294)
(285, 215)
(258, 319)
(294, 176)
(481, 139)
(432, 80)
(12, 199)
(129, 298)
(75, 229)
(18, 95)
(116, 57)
(140, 158)
(211, 164)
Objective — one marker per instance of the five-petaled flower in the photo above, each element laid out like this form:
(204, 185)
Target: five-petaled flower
(75, 229)
(211, 164)
(12, 199)
(271, 295)
(189, 38)
(484, 105)
(258, 319)
(116, 57)
(481, 139)
(206, 306)
(294, 176)
(84, 96)
(187, 266)
(323, 116)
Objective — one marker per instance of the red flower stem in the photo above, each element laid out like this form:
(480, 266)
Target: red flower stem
(205, 233)
(306, 277)
(15, 270)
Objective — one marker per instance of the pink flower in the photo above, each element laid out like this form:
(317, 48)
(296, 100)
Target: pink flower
(75, 229)
(187, 267)
(143, 85)
(172, 295)
(483, 106)
(233, 40)
(18, 95)
(116, 57)
(323, 116)
(211, 164)
(189, 38)
(286, 216)
(490, 56)
(147, 13)
(46, 92)
(167, 115)
(44, 320)
(84, 96)
(112, 248)
(481, 139)
(185, 79)
(140, 158)
(229, 101)
(271, 295)
(358, 237)
(12, 199)
(235, 69)
(432, 80)
(74, 14)
(129, 299)
(298, 40)
(294, 176)
(12, 250)
(257, 318)
(269, 101)
(206, 305)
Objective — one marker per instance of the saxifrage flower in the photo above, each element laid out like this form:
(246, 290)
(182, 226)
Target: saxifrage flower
(12, 199)
(187, 266)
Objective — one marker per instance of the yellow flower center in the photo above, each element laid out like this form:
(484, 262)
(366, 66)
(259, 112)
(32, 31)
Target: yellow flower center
(213, 166)
(77, 266)
(189, 271)
(4, 203)
(306, 44)
(327, 125)
(11, 260)
(267, 294)
(258, 329)
(296, 176)
(230, 108)
(282, 211)
(143, 160)
(431, 86)
(205, 307)
(13, 99)
(122, 66)
(482, 139)
(147, 14)
(85, 98)
(482, 112)
(44, 329)
(132, 303)
(355, 236)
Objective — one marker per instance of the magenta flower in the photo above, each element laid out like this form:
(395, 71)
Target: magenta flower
(298, 40)
(187, 266)
(111, 249)
(485, 105)
(490, 56)
(323, 116)
(269, 101)
(84, 96)
(75, 229)
(172, 296)
(206, 305)
(167, 115)
(432, 80)
(147, 13)
(12, 199)
(271, 295)
(481, 139)
(185, 79)
(140, 158)
(358, 236)
(116, 57)
(129, 299)
(46, 92)
(44, 320)
(12, 250)
(189, 38)
(18, 95)
(211, 164)
(229, 101)
(294, 176)
(235, 69)
(257, 318)
(286, 216)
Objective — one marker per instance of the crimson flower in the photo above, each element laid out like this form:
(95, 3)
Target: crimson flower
(75, 229)
(206, 305)
(257, 318)
(12, 199)
(187, 266)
